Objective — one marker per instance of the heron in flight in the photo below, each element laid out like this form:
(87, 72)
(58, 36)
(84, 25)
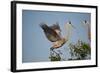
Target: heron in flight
(53, 34)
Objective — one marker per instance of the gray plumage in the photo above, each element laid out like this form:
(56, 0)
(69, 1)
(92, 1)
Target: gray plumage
(50, 32)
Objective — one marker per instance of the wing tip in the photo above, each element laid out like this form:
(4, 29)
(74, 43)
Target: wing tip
(43, 25)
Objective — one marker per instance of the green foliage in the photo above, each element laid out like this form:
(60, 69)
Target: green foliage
(79, 51)
(55, 58)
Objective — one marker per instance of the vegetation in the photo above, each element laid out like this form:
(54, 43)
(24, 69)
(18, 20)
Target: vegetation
(54, 56)
(78, 51)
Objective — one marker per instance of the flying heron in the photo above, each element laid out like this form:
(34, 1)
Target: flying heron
(53, 34)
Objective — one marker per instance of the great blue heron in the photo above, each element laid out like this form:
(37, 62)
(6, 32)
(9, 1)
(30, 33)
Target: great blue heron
(53, 34)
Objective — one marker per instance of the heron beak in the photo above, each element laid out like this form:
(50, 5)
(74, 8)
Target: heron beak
(73, 26)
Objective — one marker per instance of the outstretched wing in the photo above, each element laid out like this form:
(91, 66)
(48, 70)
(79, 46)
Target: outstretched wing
(50, 33)
(56, 28)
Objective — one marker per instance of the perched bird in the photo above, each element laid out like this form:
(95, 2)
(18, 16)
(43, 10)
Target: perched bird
(68, 30)
(87, 27)
(53, 34)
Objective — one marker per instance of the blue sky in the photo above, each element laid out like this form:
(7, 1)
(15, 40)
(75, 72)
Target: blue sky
(35, 46)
